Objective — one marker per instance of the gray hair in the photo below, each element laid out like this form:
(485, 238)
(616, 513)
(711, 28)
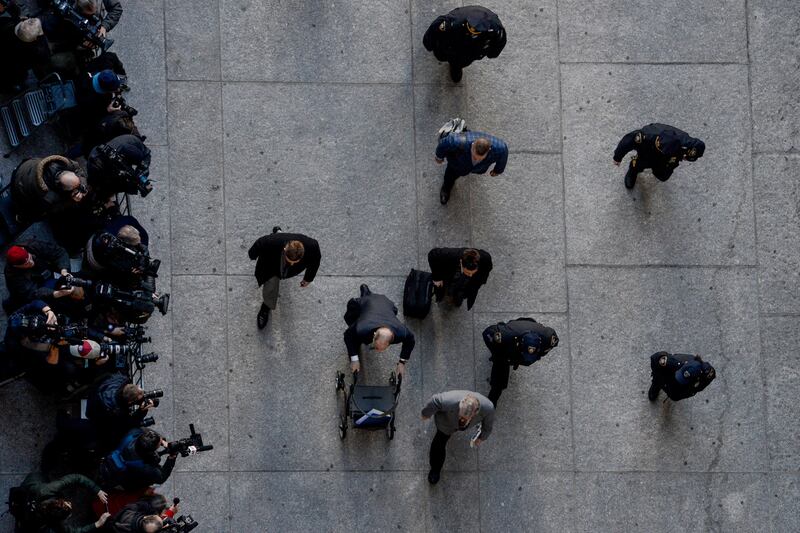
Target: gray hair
(29, 30)
(468, 406)
(129, 235)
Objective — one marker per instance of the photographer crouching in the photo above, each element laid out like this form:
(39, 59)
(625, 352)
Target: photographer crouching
(115, 406)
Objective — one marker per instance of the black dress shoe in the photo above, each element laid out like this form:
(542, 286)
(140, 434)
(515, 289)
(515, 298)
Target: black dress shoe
(630, 178)
(652, 393)
(444, 196)
(364, 289)
(276, 229)
(263, 317)
(456, 73)
(433, 477)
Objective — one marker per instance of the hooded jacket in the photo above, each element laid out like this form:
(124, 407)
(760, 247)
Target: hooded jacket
(35, 189)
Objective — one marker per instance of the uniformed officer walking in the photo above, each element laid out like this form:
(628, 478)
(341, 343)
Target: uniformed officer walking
(680, 376)
(658, 147)
(519, 342)
(464, 35)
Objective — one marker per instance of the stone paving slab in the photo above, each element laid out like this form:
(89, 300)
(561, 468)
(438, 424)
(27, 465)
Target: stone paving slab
(784, 494)
(522, 502)
(356, 501)
(200, 361)
(143, 27)
(779, 339)
(519, 219)
(775, 74)
(618, 318)
(346, 155)
(204, 496)
(674, 31)
(316, 42)
(665, 502)
(777, 196)
(193, 39)
(535, 409)
(196, 178)
(703, 214)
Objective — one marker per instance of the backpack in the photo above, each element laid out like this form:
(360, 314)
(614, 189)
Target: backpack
(417, 294)
(115, 465)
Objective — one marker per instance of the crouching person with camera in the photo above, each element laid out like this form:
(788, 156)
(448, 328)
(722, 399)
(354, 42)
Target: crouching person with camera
(136, 463)
(42, 507)
(143, 516)
(115, 406)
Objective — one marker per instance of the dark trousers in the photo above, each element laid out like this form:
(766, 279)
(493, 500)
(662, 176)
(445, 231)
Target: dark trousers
(661, 172)
(438, 451)
(498, 380)
(450, 177)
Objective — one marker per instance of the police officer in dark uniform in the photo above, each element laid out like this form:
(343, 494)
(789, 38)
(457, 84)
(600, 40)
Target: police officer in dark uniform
(520, 342)
(678, 375)
(464, 35)
(658, 147)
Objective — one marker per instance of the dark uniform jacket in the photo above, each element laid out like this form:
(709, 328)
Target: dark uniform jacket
(457, 148)
(665, 375)
(269, 250)
(35, 190)
(450, 39)
(368, 313)
(445, 266)
(504, 339)
(40, 490)
(26, 284)
(660, 147)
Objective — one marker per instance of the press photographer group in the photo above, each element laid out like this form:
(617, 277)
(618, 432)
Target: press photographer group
(81, 280)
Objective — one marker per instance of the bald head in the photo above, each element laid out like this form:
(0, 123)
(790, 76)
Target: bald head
(382, 338)
(129, 235)
(29, 30)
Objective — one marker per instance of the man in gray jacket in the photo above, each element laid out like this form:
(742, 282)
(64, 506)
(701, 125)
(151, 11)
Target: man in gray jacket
(456, 410)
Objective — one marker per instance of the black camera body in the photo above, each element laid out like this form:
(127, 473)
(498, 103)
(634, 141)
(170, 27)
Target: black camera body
(126, 259)
(182, 524)
(134, 176)
(36, 326)
(182, 446)
(120, 103)
(88, 26)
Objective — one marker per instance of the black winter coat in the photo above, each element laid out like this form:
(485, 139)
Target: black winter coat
(503, 339)
(269, 250)
(370, 312)
(26, 284)
(449, 38)
(665, 375)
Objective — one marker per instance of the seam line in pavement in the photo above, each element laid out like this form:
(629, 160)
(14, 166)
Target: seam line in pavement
(655, 63)
(716, 267)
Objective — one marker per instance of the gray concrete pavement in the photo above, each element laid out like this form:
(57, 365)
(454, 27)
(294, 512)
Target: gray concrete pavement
(320, 117)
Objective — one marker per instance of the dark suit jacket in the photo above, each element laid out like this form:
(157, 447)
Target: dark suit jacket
(268, 250)
(370, 312)
(445, 265)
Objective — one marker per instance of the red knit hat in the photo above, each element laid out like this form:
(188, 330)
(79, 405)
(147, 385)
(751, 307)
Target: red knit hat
(17, 255)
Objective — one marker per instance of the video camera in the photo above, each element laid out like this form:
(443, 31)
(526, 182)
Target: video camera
(137, 305)
(88, 26)
(182, 524)
(135, 176)
(36, 326)
(184, 446)
(126, 258)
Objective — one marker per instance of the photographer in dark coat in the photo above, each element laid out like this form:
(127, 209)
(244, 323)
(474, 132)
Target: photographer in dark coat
(142, 516)
(464, 35)
(47, 186)
(519, 342)
(30, 265)
(114, 407)
(458, 273)
(658, 147)
(117, 252)
(372, 319)
(282, 256)
(136, 464)
(120, 165)
(680, 376)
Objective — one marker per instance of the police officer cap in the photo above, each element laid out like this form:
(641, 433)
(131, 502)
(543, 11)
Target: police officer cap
(531, 343)
(689, 373)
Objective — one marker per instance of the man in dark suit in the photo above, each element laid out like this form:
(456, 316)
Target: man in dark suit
(458, 273)
(372, 319)
(680, 376)
(281, 256)
(469, 152)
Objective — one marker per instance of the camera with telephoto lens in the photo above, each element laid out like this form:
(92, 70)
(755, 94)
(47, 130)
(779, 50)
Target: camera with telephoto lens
(36, 326)
(149, 396)
(136, 305)
(69, 281)
(188, 446)
(182, 524)
(113, 349)
(135, 176)
(88, 26)
(120, 103)
(126, 259)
